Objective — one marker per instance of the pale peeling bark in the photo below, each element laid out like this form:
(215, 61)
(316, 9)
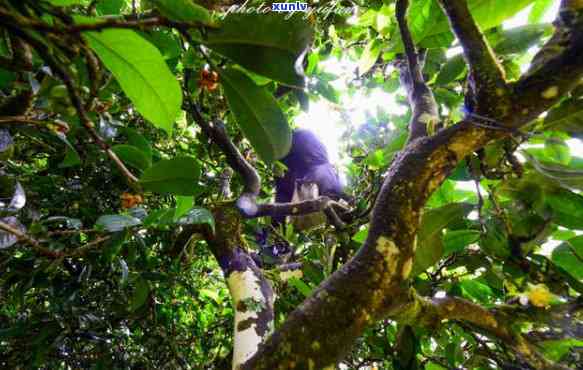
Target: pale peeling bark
(249, 300)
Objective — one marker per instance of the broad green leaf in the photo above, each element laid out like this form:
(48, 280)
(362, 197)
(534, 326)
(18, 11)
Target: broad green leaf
(369, 56)
(476, 290)
(557, 150)
(556, 349)
(114, 223)
(183, 205)
(300, 286)
(569, 256)
(495, 242)
(139, 141)
(457, 240)
(142, 73)
(160, 217)
(183, 10)
(538, 10)
(177, 176)
(267, 44)
(429, 243)
(562, 175)
(258, 115)
(451, 70)
(520, 39)
(68, 2)
(133, 156)
(567, 208)
(361, 236)
(567, 116)
(198, 216)
(430, 27)
(110, 7)
(141, 293)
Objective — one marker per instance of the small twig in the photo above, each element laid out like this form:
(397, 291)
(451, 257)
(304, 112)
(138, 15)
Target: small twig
(35, 244)
(45, 53)
(423, 105)
(139, 24)
(22, 120)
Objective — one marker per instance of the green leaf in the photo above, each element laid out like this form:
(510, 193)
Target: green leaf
(258, 115)
(212, 294)
(141, 293)
(183, 205)
(142, 73)
(139, 141)
(114, 223)
(113, 246)
(476, 290)
(559, 174)
(456, 241)
(300, 286)
(267, 44)
(567, 116)
(538, 10)
(183, 10)
(177, 176)
(361, 236)
(430, 245)
(557, 150)
(555, 350)
(430, 27)
(67, 2)
(132, 156)
(110, 7)
(198, 216)
(520, 39)
(567, 208)
(569, 256)
(495, 242)
(369, 56)
(451, 70)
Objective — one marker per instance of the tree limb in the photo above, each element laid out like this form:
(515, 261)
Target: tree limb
(487, 82)
(372, 284)
(420, 96)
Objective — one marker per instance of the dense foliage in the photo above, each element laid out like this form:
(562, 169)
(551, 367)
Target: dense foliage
(102, 165)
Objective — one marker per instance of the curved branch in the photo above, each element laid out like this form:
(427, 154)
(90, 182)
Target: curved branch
(218, 134)
(425, 115)
(496, 324)
(487, 78)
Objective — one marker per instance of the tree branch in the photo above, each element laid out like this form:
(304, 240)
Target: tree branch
(433, 311)
(487, 82)
(109, 23)
(372, 284)
(556, 69)
(425, 115)
(217, 133)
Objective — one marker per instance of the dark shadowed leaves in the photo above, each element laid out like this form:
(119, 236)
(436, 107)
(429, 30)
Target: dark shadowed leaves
(132, 156)
(268, 44)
